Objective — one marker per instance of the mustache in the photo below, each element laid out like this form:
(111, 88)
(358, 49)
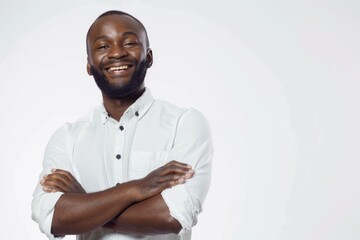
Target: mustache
(126, 61)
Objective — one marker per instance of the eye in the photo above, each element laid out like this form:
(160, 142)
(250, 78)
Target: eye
(130, 44)
(102, 47)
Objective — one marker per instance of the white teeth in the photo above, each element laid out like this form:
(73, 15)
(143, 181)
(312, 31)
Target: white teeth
(123, 67)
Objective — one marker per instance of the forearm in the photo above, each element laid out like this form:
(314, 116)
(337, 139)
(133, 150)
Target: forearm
(148, 217)
(77, 213)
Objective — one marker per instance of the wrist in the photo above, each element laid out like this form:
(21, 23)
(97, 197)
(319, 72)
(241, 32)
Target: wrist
(131, 189)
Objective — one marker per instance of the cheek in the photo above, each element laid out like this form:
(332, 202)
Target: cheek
(96, 57)
(142, 58)
(98, 61)
(138, 53)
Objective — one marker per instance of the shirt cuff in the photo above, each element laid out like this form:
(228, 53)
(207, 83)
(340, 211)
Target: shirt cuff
(44, 217)
(182, 207)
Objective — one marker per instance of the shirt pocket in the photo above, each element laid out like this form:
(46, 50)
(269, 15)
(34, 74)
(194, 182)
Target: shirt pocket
(142, 163)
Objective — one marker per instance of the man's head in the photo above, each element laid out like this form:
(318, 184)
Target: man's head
(118, 54)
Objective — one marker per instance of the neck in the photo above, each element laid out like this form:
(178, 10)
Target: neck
(117, 107)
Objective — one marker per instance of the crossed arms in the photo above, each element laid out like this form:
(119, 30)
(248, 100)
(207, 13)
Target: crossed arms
(116, 208)
(165, 201)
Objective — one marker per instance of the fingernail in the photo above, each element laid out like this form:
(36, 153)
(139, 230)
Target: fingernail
(188, 175)
(53, 170)
(42, 182)
(191, 171)
(45, 176)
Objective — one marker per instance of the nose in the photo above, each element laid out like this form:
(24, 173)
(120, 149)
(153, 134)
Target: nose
(117, 51)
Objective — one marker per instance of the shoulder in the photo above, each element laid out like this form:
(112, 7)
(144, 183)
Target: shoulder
(69, 131)
(193, 120)
(182, 112)
(193, 115)
(165, 107)
(186, 118)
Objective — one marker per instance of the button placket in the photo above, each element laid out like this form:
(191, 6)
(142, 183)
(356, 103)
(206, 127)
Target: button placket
(118, 152)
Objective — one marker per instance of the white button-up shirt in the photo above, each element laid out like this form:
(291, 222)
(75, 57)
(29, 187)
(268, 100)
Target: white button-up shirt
(101, 152)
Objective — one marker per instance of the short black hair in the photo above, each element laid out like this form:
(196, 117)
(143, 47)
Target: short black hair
(117, 12)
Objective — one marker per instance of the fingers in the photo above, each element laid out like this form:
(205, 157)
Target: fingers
(52, 183)
(171, 174)
(58, 180)
(172, 180)
(173, 183)
(49, 186)
(167, 176)
(50, 189)
(62, 175)
(180, 164)
(176, 177)
(61, 181)
(56, 175)
(177, 168)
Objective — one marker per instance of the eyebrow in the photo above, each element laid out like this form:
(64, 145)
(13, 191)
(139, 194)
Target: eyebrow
(106, 37)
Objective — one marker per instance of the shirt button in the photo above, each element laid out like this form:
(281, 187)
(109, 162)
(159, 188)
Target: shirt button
(136, 113)
(121, 128)
(118, 156)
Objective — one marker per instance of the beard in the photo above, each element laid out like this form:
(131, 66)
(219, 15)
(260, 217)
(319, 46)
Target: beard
(120, 91)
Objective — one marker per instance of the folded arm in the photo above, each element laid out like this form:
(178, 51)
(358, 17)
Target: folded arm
(77, 212)
(175, 210)
(149, 217)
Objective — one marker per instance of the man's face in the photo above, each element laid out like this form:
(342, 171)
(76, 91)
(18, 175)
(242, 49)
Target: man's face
(117, 55)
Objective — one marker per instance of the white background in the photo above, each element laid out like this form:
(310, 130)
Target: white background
(277, 80)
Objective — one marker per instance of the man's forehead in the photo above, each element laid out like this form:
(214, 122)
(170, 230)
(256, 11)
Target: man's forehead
(120, 22)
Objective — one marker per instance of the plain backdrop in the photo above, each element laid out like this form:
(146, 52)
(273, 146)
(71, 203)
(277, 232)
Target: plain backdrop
(278, 82)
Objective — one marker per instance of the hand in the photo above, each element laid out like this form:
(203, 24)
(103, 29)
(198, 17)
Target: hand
(61, 181)
(167, 176)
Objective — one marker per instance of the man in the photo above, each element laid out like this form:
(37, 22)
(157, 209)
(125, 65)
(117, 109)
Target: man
(135, 167)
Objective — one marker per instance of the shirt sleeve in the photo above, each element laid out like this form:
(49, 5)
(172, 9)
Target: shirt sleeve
(56, 156)
(192, 145)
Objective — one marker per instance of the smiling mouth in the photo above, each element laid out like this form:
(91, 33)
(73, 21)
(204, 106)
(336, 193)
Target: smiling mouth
(117, 68)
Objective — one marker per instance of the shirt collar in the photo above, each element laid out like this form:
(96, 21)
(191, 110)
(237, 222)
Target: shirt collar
(138, 109)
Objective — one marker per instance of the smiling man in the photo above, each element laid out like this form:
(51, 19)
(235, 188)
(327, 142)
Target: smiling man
(133, 168)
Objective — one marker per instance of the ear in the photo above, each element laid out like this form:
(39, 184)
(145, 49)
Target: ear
(149, 57)
(88, 67)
